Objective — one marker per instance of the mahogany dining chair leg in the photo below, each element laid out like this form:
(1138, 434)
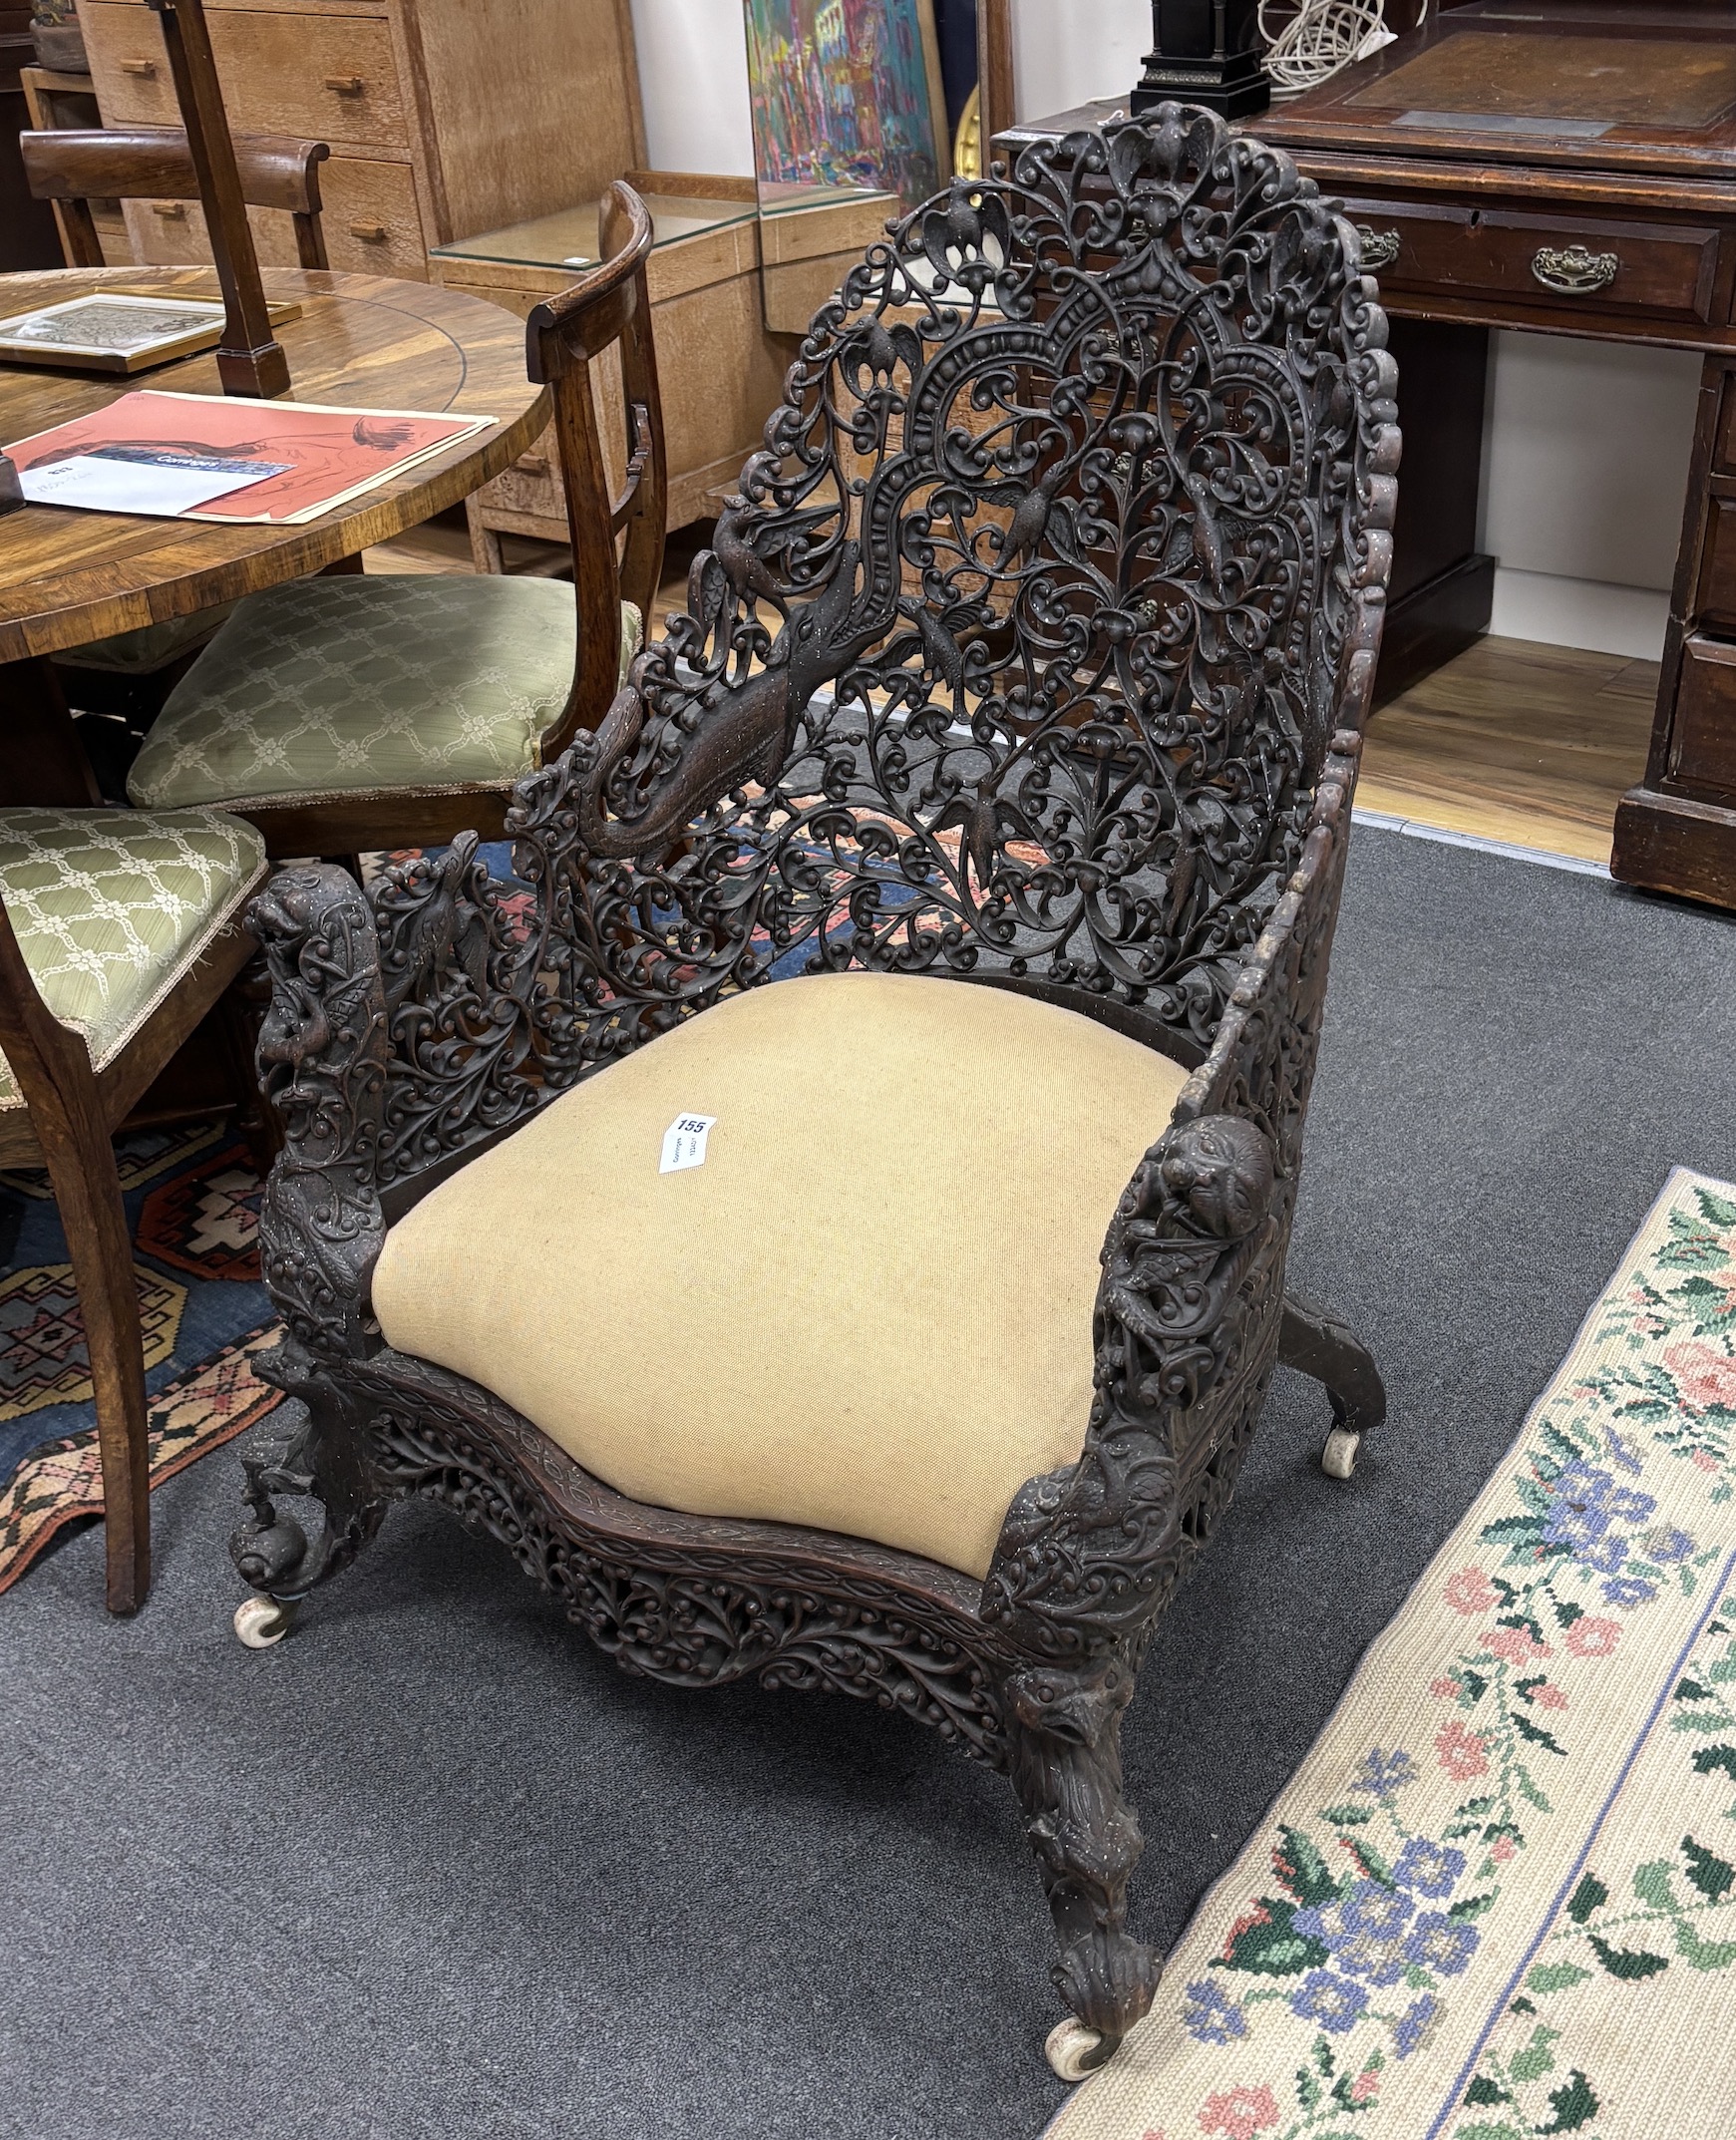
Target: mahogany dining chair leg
(41, 757)
(80, 1167)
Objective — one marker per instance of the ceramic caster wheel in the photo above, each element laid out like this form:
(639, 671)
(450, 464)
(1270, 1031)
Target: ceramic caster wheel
(1072, 2049)
(1338, 1458)
(261, 1622)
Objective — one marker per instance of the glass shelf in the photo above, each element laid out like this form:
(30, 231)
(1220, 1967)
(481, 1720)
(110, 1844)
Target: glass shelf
(569, 238)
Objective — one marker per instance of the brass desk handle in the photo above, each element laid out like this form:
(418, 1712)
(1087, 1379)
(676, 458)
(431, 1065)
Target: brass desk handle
(137, 67)
(531, 464)
(345, 85)
(171, 212)
(1576, 272)
(369, 233)
(1379, 247)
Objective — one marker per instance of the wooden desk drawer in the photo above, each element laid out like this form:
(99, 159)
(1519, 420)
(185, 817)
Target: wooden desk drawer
(1715, 597)
(172, 233)
(531, 488)
(368, 214)
(1703, 734)
(328, 78)
(1604, 264)
(370, 218)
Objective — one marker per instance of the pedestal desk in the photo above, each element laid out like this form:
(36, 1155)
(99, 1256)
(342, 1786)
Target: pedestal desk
(1566, 166)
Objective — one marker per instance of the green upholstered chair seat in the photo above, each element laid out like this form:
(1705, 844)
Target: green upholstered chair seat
(358, 684)
(111, 908)
(150, 647)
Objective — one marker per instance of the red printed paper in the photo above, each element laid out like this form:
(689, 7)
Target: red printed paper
(311, 458)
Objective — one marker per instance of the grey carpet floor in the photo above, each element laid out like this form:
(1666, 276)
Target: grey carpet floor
(434, 1868)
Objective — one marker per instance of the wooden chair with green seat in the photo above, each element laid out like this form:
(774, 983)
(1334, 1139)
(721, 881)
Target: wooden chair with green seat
(357, 713)
(128, 676)
(118, 930)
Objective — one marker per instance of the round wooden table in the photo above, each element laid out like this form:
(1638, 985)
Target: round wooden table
(363, 342)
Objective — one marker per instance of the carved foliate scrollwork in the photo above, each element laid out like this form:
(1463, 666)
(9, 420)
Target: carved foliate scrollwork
(319, 1454)
(1089, 1554)
(324, 1051)
(1017, 653)
(1064, 1742)
(690, 1601)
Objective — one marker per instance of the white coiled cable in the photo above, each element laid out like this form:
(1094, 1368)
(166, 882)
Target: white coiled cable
(1306, 43)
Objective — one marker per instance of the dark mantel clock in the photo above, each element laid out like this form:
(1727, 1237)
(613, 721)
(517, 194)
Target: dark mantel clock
(1207, 52)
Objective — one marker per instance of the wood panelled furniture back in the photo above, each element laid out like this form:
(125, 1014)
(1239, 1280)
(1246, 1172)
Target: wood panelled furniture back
(445, 117)
(27, 227)
(67, 577)
(1570, 168)
(722, 368)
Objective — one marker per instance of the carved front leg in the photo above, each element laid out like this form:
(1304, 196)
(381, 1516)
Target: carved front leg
(1323, 1346)
(1063, 1724)
(322, 1457)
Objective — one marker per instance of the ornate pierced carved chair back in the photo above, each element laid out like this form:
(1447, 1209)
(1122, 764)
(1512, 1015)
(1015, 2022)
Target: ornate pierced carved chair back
(1016, 659)
(1020, 647)
(618, 541)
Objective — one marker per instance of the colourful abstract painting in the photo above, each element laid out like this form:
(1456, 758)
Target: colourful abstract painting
(841, 93)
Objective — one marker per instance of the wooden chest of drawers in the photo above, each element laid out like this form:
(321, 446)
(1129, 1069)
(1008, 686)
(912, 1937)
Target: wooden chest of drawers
(721, 368)
(445, 117)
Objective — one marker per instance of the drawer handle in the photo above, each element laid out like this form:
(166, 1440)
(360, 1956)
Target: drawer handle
(346, 85)
(1576, 272)
(531, 464)
(1379, 247)
(370, 233)
(137, 67)
(171, 212)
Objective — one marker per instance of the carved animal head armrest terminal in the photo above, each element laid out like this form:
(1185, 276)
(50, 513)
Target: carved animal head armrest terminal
(322, 1045)
(1087, 1555)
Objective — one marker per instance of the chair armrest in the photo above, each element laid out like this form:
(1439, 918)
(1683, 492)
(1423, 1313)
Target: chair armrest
(1089, 1554)
(1191, 1296)
(322, 1057)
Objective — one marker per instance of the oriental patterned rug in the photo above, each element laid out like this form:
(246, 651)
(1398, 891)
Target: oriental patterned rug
(192, 1199)
(1498, 1899)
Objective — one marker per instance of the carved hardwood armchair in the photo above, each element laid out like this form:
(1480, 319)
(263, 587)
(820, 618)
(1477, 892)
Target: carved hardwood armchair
(1018, 706)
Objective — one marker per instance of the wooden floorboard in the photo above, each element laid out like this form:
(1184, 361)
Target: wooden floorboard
(1530, 745)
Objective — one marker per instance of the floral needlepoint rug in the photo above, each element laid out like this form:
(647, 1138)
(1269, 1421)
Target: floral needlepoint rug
(1498, 1899)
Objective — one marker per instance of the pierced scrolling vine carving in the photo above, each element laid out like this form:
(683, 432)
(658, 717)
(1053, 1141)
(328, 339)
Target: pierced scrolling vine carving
(1189, 1307)
(693, 1601)
(322, 1053)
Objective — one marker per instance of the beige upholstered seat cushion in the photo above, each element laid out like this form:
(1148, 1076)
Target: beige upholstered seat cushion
(869, 1310)
(366, 683)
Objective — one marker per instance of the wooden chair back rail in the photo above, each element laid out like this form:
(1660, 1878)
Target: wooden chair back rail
(76, 165)
(618, 542)
(250, 358)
